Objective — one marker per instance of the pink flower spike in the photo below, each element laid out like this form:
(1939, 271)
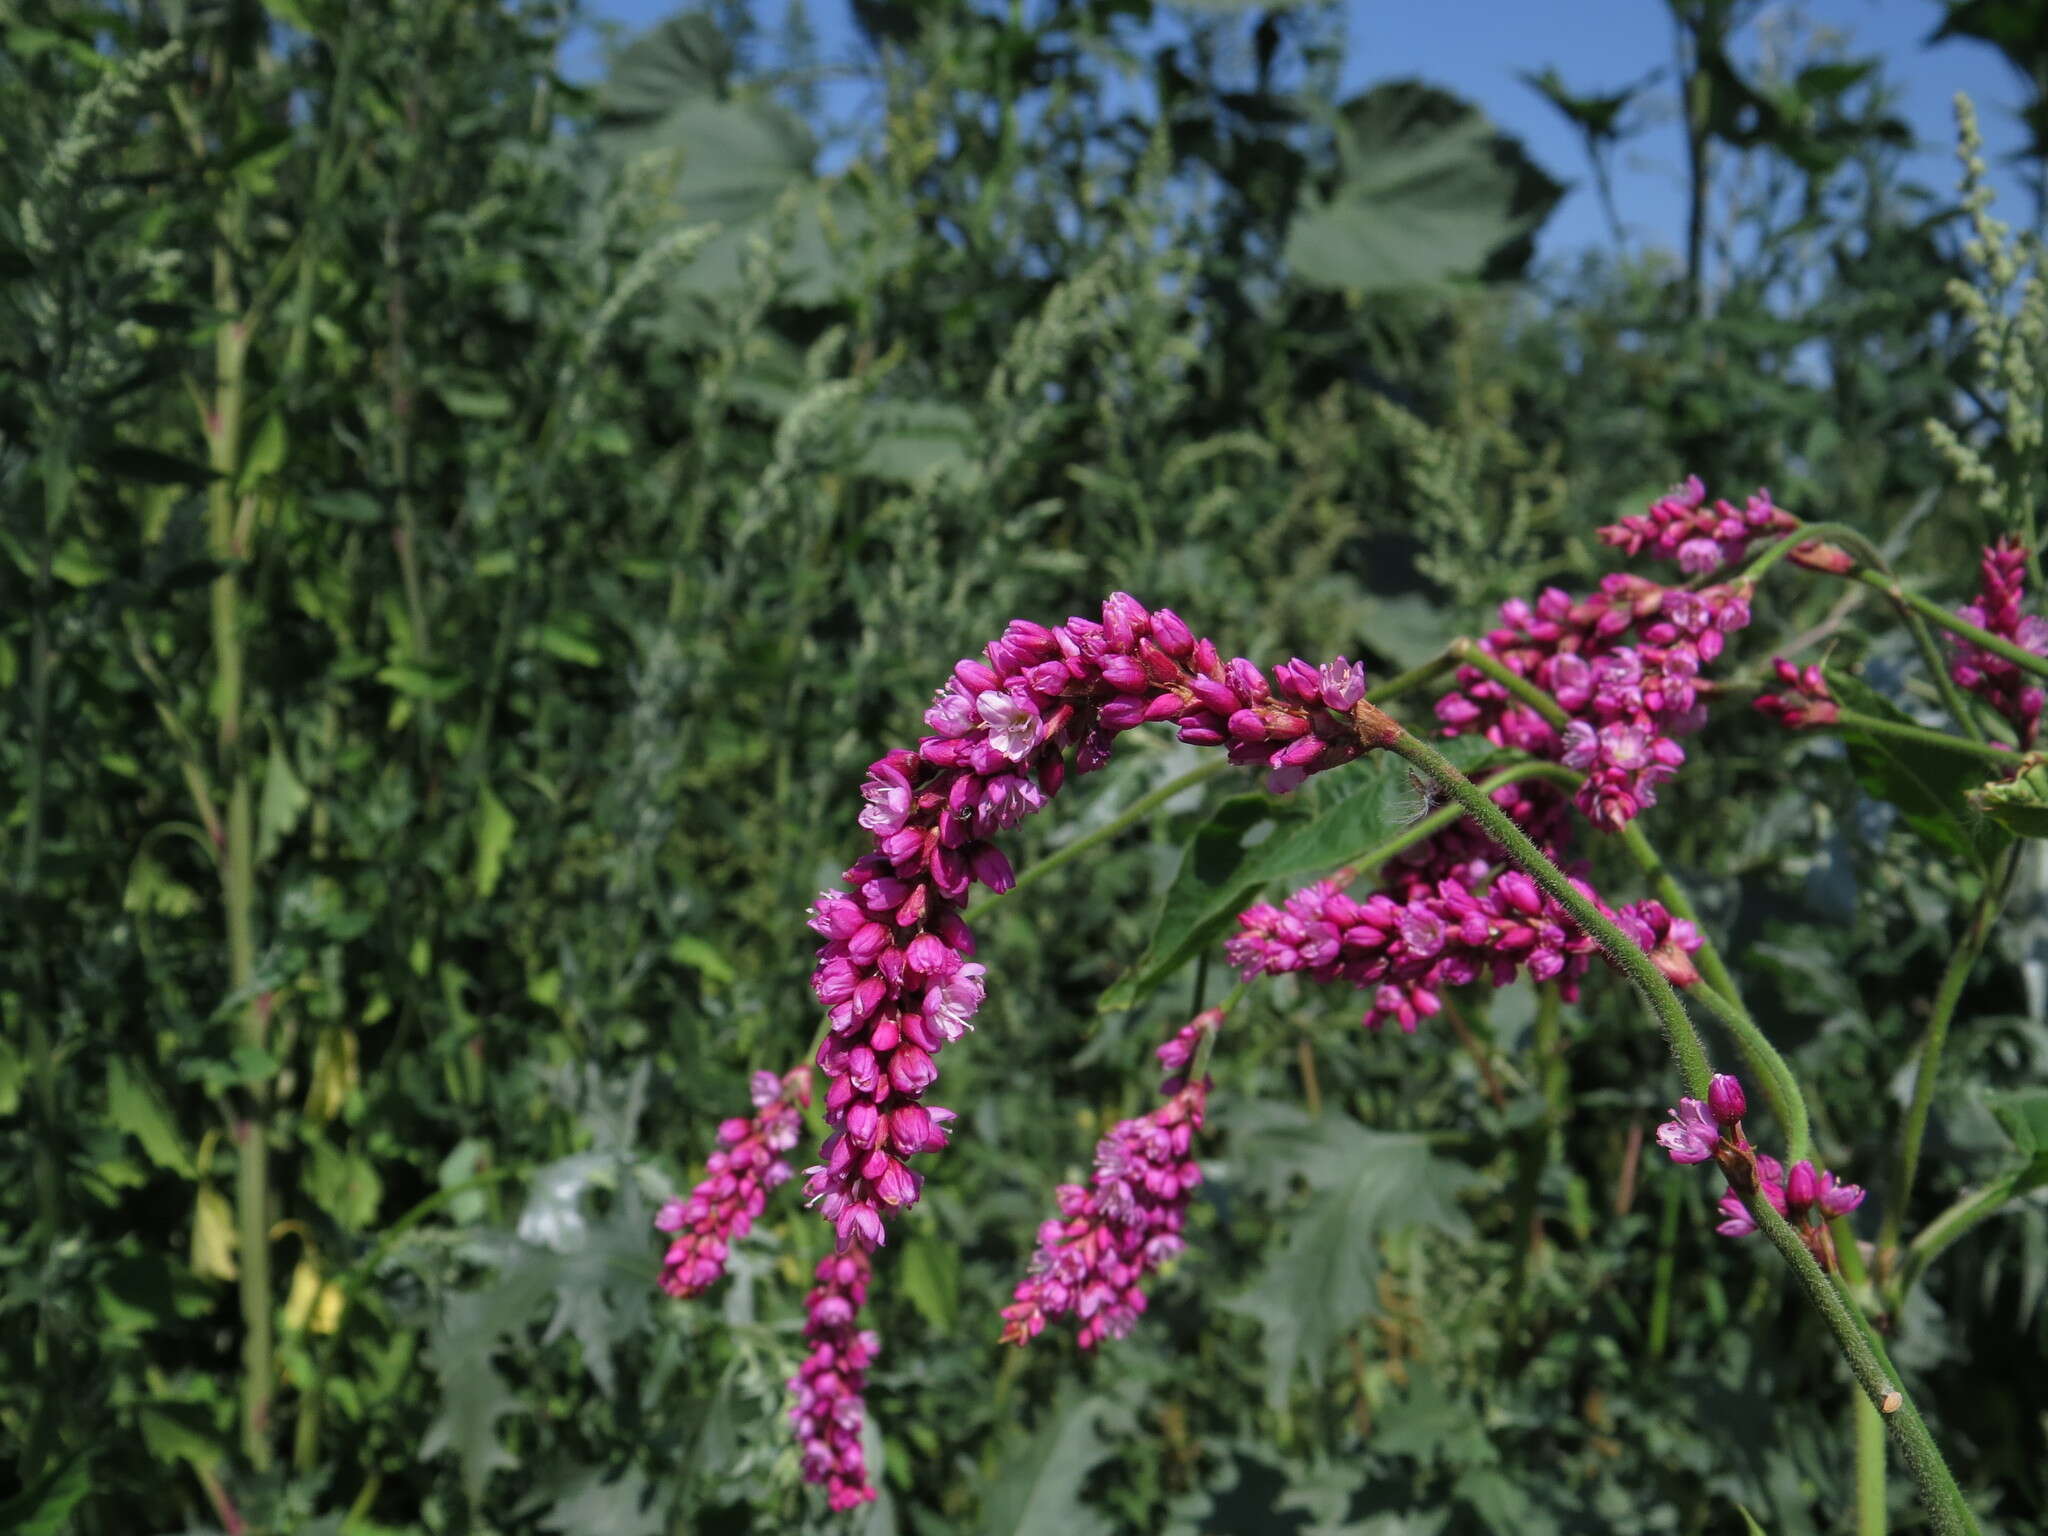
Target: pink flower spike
(1691, 1135)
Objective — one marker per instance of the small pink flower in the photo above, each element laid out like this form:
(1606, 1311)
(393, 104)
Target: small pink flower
(1692, 1134)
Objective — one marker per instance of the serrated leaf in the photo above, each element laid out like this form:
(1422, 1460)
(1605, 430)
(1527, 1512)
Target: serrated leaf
(1931, 787)
(134, 1106)
(474, 1397)
(44, 1508)
(621, 1506)
(176, 1431)
(1038, 1492)
(1221, 869)
(285, 800)
(1365, 1185)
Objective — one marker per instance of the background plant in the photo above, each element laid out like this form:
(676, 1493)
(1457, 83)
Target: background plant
(465, 535)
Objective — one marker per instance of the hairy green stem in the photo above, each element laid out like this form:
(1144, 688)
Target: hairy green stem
(1913, 612)
(1870, 1510)
(1971, 945)
(1853, 1336)
(1948, 1511)
(1899, 730)
(1468, 652)
(1122, 822)
(1773, 1074)
(2026, 660)
(1378, 729)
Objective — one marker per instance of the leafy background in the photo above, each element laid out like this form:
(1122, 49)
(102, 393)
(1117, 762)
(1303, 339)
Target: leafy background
(466, 531)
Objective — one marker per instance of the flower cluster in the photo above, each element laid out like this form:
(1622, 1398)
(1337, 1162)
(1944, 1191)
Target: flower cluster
(1701, 538)
(1093, 1257)
(1406, 950)
(737, 1179)
(1806, 700)
(1711, 1129)
(2010, 691)
(894, 972)
(828, 1385)
(1623, 664)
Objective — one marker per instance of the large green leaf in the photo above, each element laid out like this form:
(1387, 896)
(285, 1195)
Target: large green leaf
(1224, 865)
(1429, 191)
(1365, 1185)
(1038, 1493)
(1931, 787)
(686, 58)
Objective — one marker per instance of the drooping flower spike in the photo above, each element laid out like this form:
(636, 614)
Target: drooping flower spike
(1093, 1257)
(2001, 683)
(1405, 952)
(894, 972)
(738, 1176)
(1681, 526)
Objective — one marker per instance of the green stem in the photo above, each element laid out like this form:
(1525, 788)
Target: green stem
(1378, 729)
(1946, 1508)
(1850, 720)
(1414, 678)
(1136, 812)
(1935, 613)
(238, 858)
(1870, 1510)
(1913, 611)
(1773, 1076)
(1858, 1344)
(1934, 1238)
(1982, 916)
(1468, 652)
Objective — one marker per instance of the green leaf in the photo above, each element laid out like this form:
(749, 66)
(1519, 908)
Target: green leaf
(703, 958)
(1429, 191)
(1930, 787)
(1221, 870)
(176, 1431)
(264, 455)
(928, 1273)
(44, 1507)
(569, 637)
(907, 441)
(474, 397)
(494, 829)
(1365, 1185)
(343, 1184)
(1038, 1493)
(2023, 1115)
(474, 1397)
(686, 58)
(134, 1107)
(285, 800)
(2018, 804)
(623, 1506)
(1749, 1524)
(422, 682)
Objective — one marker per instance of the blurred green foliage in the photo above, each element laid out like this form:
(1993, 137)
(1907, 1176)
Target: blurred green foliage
(465, 534)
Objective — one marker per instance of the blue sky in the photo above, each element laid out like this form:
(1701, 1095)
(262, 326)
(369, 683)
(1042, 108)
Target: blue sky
(1478, 47)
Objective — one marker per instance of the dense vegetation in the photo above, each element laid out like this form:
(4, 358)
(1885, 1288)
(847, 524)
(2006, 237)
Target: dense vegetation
(466, 534)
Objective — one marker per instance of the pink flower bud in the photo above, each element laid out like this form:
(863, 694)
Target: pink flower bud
(1725, 1099)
